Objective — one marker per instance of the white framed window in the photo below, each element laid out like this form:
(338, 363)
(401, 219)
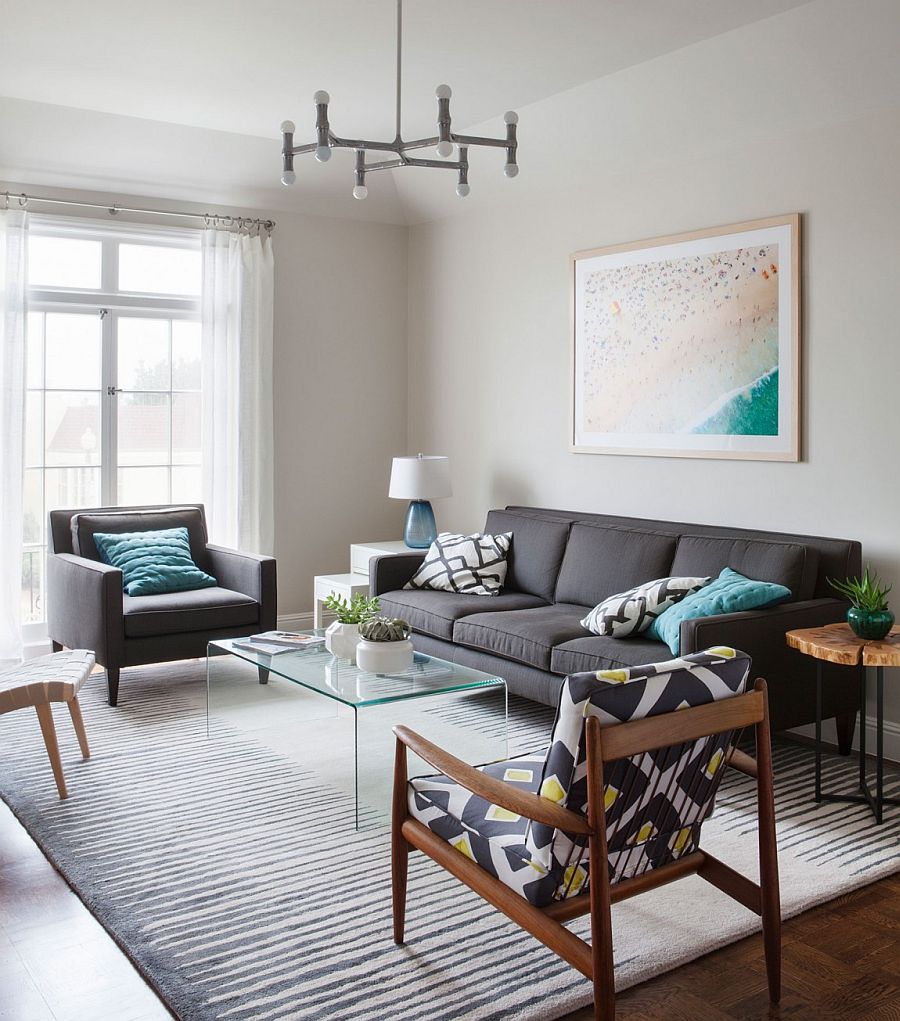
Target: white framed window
(113, 405)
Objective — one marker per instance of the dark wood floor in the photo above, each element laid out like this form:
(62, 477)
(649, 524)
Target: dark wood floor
(841, 961)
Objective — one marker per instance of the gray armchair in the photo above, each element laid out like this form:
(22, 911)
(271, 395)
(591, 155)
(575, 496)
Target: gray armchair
(87, 609)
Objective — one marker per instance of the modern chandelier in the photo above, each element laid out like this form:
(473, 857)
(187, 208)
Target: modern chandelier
(444, 141)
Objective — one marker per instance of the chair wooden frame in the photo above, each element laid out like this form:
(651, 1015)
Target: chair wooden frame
(604, 745)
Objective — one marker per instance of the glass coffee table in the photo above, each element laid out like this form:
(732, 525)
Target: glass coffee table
(332, 717)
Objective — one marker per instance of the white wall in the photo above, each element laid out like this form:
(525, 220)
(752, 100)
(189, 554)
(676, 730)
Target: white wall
(340, 383)
(797, 113)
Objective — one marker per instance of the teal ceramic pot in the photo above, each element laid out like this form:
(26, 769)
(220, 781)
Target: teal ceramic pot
(870, 624)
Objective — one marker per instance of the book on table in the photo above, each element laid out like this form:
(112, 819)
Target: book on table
(272, 643)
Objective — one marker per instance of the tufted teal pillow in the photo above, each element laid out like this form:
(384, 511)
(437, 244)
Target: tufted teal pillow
(729, 593)
(152, 562)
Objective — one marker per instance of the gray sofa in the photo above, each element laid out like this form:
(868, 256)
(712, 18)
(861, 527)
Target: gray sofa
(87, 609)
(564, 562)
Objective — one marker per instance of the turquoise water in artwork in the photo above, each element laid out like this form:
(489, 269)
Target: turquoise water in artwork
(751, 411)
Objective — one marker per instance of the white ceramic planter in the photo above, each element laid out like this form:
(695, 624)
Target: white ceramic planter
(384, 657)
(341, 639)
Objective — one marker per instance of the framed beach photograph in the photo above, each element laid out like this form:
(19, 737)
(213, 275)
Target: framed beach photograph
(689, 345)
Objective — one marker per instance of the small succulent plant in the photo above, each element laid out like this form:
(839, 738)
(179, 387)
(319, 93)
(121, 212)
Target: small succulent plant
(358, 609)
(384, 629)
(866, 593)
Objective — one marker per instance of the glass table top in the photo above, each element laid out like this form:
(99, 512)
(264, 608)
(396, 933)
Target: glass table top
(317, 670)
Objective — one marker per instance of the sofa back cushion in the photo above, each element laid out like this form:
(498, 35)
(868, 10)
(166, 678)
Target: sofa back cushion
(84, 525)
(789, 564)
(600, 561)
(538, 544)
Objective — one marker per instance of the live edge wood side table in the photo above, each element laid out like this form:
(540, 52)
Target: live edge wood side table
(836, 643)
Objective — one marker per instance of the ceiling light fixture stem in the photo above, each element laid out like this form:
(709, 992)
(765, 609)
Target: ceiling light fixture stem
(399, 63)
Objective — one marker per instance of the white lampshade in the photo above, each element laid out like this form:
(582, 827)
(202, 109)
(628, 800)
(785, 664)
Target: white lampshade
(426, 477)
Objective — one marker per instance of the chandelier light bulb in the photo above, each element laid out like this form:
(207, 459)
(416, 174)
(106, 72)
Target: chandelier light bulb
(323, 153)
(288, 127)
(360, 191)
(443, 92)
(445, 148)
(511, 169)
(321, 97)
(288, 178)
(462, 190)
(510, 117)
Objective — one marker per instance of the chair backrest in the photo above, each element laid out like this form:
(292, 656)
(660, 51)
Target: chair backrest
(72, 530)
(655, 802)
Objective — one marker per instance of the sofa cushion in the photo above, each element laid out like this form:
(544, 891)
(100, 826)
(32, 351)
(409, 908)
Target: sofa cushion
(601, 560)
(596, 653)
(537, 550)
(434, 613)
(84, 525)
(207, 609)
(468, 564)
(526, 636)
(790, 564)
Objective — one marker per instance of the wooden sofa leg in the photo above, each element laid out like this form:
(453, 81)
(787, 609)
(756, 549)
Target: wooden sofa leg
(263, 674)
(56, 646)
(112, 685)
(845, 723)
(45, 718)
(78, 724)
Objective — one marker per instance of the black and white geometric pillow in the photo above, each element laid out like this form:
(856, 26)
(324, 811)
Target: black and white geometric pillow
(629, 613)
(471, 564)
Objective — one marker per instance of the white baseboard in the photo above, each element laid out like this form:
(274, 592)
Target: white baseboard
(829, 736)
(296, 621)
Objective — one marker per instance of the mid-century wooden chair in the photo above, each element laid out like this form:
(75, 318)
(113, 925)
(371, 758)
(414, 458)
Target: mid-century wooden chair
(613, 809)
(39, 682)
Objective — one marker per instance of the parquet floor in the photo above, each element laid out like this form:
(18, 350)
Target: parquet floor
(841, 961)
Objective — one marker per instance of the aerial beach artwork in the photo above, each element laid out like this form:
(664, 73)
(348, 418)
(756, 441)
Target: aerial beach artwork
(689, 345)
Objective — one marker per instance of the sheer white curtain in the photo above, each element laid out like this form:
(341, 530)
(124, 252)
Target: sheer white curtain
(13, 261)
(238, 290)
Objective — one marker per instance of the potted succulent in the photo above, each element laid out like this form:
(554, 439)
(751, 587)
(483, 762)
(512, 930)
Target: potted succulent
(869, 616)
(384, 646)
(341, 636)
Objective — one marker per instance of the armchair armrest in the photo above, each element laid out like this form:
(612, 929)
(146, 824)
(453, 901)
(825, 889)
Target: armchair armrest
(84, 606)
(251, 574)
(750, 629)
(532, 806)
(392, 571)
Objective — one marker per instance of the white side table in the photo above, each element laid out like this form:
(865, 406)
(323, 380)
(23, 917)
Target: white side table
(344, 585)
(347, 585)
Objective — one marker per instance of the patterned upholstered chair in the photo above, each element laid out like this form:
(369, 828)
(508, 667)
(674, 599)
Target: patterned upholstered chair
(614, 808)
(38, 682)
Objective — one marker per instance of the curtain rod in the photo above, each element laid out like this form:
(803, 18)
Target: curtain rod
(211, 219)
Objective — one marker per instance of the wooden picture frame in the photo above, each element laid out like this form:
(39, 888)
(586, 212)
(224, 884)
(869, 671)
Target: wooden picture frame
(688, 345)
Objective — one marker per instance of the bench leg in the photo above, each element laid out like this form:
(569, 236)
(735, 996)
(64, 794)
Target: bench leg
(45, 718)
(78, 724)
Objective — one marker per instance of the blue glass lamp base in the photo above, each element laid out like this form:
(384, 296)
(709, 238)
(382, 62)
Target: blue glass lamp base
(419, 527)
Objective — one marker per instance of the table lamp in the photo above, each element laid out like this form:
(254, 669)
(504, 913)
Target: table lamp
(420, 479)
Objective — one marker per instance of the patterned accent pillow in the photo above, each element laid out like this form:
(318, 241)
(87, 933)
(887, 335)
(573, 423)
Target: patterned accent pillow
(470, 564)
(153, 562)
(629, 613)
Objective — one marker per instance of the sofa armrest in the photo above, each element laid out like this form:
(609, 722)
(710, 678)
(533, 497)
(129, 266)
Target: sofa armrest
(392, 571)
(252, 575)
(84, 606)
(749, 629)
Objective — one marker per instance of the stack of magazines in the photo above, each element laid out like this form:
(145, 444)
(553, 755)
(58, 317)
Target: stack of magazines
(272, 643)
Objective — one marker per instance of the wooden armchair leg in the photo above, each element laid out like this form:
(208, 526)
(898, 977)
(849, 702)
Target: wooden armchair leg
(112, 684)
(45, 718)
(399, 845)
(78, 724)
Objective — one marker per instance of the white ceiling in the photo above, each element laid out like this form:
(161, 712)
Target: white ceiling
(245, 66)
(242, 67)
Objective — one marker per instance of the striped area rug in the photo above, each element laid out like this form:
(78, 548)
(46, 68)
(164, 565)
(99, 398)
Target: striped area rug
(234, 880)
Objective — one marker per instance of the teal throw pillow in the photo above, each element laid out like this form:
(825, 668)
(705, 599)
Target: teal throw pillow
(152, 562)
(729, 593)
